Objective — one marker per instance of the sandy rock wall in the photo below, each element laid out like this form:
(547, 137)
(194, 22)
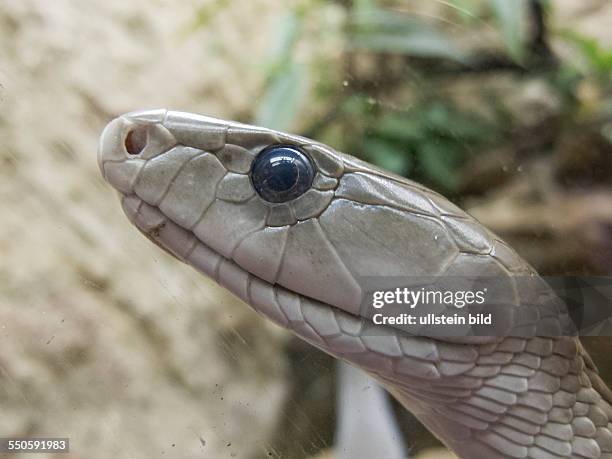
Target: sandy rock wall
(103, 338)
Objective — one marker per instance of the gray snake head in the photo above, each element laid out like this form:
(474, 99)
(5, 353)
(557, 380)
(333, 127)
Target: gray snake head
(299, 248)
(353, 220)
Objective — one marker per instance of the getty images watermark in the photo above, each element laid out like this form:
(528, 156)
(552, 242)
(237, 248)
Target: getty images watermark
(504, 305)
(412, 298)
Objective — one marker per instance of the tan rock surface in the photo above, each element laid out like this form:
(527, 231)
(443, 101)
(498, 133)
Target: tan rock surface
(103, 338)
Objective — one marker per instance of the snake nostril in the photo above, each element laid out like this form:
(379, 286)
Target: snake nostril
(136, 140)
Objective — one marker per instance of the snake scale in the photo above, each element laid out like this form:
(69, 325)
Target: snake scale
(187, 182)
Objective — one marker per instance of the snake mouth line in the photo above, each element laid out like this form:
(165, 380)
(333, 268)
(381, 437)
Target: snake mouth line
(169, 235)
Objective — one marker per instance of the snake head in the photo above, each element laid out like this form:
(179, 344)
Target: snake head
(187, 180)
(240, 202)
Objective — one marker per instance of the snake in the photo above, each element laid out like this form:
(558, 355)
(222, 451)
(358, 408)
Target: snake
(293, 227)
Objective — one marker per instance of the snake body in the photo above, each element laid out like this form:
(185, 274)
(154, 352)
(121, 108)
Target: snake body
(184, 182)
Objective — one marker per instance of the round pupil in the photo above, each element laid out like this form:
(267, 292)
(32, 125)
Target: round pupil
(281, 173)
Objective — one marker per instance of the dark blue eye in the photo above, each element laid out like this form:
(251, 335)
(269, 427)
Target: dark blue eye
(281, 173)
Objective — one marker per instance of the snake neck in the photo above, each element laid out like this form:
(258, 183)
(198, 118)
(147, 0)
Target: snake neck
(537, 398)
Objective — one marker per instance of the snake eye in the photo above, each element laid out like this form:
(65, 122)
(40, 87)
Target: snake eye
(281, 173)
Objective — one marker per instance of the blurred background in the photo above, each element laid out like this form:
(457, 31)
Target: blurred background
(503, 106)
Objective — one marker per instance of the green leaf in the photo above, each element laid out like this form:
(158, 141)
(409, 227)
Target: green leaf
(392, 32)
(286, 80)
(466, 9)
(511, 15)
(437, 117)
(598, 59)
(439, 163)
(388, 156)
(356, 105)
(281, 100)
(401, 128)
(289, 32)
